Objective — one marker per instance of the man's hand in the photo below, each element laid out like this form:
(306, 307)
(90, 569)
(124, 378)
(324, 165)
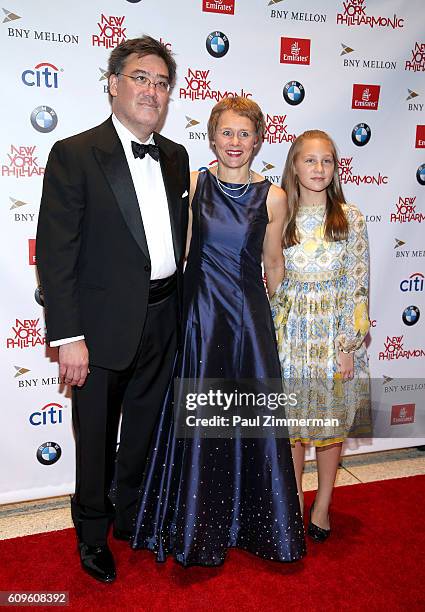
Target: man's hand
(74, 363)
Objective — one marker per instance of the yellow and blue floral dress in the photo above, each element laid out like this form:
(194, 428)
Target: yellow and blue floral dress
(322, 307)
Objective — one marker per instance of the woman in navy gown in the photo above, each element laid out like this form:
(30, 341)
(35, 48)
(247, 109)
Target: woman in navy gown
(203, 495)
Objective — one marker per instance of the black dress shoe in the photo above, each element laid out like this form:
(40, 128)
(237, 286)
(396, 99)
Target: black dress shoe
(98, 562)
(318, 534)
(121, 534)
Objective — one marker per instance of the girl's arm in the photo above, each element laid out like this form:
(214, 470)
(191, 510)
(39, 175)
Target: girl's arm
(272, 247)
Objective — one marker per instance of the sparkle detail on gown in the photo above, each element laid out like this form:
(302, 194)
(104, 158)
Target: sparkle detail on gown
(201, 496)
(321, 306)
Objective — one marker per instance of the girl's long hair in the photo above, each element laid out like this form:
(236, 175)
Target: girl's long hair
(336, 224)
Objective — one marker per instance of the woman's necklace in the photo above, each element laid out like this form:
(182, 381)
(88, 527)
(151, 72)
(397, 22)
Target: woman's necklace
(245, 187)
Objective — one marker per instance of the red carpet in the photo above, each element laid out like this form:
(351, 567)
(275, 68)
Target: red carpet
(374, 560)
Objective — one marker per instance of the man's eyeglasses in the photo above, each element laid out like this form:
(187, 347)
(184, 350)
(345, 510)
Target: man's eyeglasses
(144, 82)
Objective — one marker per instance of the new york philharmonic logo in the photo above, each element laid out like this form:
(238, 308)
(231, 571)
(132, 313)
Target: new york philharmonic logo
(26, 333)
(355, 15)
(293, 93)
(111, 31)
(402, 414)
(365, 97)
(361, 134)
(295, 50)
(411, 315)
(394, 350)
(226, 7)
(22, 162)
(48, 453)
(44, 119)
(417, 59)
(374, 64)
(420, 174)
(420, 137)
(9, 16)
(276, 130)
(346, 174)
(199, 87)
(405, 211)
(42, 75)
(217, 44)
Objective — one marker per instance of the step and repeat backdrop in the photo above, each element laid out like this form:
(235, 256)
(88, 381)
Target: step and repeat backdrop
(354, 68)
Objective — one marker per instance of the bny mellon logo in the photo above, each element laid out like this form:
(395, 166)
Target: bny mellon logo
(398, 243)
(274, 2)
(9, 16)
(412, 94)
(103, 74)
(20, 371)
(17, 203)
(267, 166)
(191, 122)
(387, 379)
(345, 49)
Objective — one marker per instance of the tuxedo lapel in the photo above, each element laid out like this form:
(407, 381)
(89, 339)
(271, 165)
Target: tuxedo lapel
(169, 169)
(111, 157)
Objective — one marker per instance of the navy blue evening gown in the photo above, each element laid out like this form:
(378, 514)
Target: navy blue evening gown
(201, 496)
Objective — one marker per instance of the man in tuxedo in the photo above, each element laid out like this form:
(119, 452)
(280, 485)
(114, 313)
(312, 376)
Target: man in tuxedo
(110, 246)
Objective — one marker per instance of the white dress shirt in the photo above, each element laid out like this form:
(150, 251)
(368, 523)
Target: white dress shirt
(152, 198)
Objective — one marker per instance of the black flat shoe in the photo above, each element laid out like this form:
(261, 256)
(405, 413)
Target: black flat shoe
(98, 562)
(318, 534)
(121, 534)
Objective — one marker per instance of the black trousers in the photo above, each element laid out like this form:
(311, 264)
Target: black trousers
(139, 391)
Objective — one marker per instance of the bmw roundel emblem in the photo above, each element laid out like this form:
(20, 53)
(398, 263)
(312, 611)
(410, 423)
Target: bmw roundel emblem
(48, 453)
(44, 119)
(39, 296)
(217, 44)
(411, 315)
(420, 174)
(294, 93)
(361, 134)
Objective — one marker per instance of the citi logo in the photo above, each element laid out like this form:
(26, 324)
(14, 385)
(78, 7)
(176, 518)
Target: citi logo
(415, 283)
(50, 414)
(43, 75)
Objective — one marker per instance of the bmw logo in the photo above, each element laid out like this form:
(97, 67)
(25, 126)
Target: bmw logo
(361, 134)
(294, 93)
(411, 315)
(420, 174)
(48, 453)
(39, 297)
(217, 44)
(44, 119)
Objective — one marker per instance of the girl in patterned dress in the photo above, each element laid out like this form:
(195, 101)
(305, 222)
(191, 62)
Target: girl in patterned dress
(320, 314)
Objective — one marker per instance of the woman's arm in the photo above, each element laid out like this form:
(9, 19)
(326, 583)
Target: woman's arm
(273, 261)
(193, 182)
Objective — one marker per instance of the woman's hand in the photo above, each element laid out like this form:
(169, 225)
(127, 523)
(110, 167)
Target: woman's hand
(346, 365)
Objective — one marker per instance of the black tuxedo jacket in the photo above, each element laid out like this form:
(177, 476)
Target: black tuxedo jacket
(92, 255)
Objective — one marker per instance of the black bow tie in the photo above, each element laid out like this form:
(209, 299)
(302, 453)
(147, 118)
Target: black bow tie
(140, 150)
